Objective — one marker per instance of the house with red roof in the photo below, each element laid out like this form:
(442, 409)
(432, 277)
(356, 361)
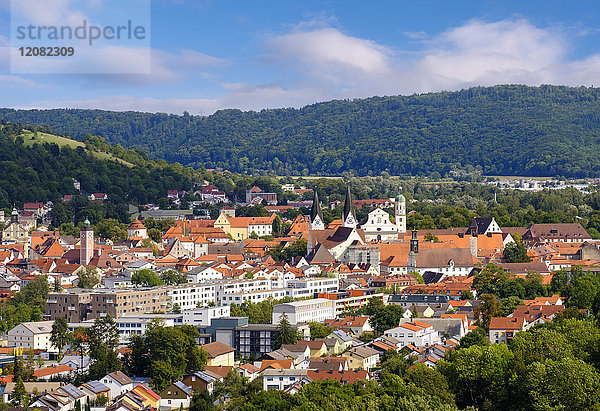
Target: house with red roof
(417, 333)
(503, 329)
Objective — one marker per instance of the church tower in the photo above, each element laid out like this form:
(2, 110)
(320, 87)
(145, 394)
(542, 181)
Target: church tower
(348, 217)
(414, 250)
(400, 212)
(86, 249)
(316, 217)
(14, 216)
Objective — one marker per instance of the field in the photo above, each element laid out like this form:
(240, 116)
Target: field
(30, 139)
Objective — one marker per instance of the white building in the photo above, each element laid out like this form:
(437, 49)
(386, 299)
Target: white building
(318, 309)
(308, 287)
(281, 379)
(118, 383)
(417, 333)
(253, 296)
(378, 227)
(130, 325)
(203, 316)
(191, 295)
(203, 274)
(32, 336)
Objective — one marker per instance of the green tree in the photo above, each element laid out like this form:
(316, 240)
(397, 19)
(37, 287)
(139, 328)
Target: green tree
(489, 307)
(430, 381)
(60, 335)
(509, 304)
(476, 337)
(478, 375)
(88, 278)
(20, 396)
(104, 340)
(173, 277)
(60, 214)
(319, 330)
(385, 317)
(515, 252)
(285, 334)
(146, 278)
(566, 383)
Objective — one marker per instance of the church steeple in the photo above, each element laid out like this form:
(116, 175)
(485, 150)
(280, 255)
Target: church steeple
(348, 217)
(14, 216)
(316, 217)
(400, 212)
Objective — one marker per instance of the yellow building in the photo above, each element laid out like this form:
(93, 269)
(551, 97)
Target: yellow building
(32, 336)
(240, 228)
(150, 397)
(219, 354)
(17, 233)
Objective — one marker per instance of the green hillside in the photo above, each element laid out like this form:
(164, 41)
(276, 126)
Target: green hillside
(41, 167)
(30, 138)
(502, 130)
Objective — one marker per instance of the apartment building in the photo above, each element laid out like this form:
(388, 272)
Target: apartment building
(31, 336)
(81, 305)
(253, 296)
(124, 302)
(202, 317)
(73, 305)
(191, 296)
(310, 287)
(318, 309)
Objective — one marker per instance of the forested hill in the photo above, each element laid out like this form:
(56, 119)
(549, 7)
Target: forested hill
(41, 167)
(504, 130)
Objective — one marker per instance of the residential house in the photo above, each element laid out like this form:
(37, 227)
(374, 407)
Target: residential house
(95, 389)
(503, 329)
(151, 399)
(176, 395)
(32, 336)
(417, 333)
(361, 358)
(118, 383)
(357, 325)
(30, 387)
(54, 371)
(219, 354)
(343, 376)
(281, 379)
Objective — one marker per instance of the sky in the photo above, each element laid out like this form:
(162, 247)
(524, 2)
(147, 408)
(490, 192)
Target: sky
(206, 55)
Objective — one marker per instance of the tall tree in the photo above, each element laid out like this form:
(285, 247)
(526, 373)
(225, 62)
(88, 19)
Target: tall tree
(286, 334)
(60, 335)
(489, 307)
(20, 396)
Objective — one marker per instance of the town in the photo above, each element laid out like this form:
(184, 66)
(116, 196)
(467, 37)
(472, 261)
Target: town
(317, 302)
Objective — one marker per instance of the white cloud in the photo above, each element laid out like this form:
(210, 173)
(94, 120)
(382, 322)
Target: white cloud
(330, 53)
(319, 64)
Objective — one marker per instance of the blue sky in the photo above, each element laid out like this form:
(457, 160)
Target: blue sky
(209, 55)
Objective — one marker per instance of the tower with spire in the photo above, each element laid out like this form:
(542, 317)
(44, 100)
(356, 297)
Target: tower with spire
(414, 250)
(86, 248)
(348, 216)
(316, 216)
(400, 212)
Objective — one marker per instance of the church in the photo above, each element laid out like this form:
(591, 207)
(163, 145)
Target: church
(350, 242)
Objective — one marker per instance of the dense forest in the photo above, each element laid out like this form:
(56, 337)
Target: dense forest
(45, 172)
(501, 130)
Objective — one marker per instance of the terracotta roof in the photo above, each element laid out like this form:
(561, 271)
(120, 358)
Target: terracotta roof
(506, 323)
(216, 348)
(345, 377)
(276, 364)
(219, 370)
(45, 372)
